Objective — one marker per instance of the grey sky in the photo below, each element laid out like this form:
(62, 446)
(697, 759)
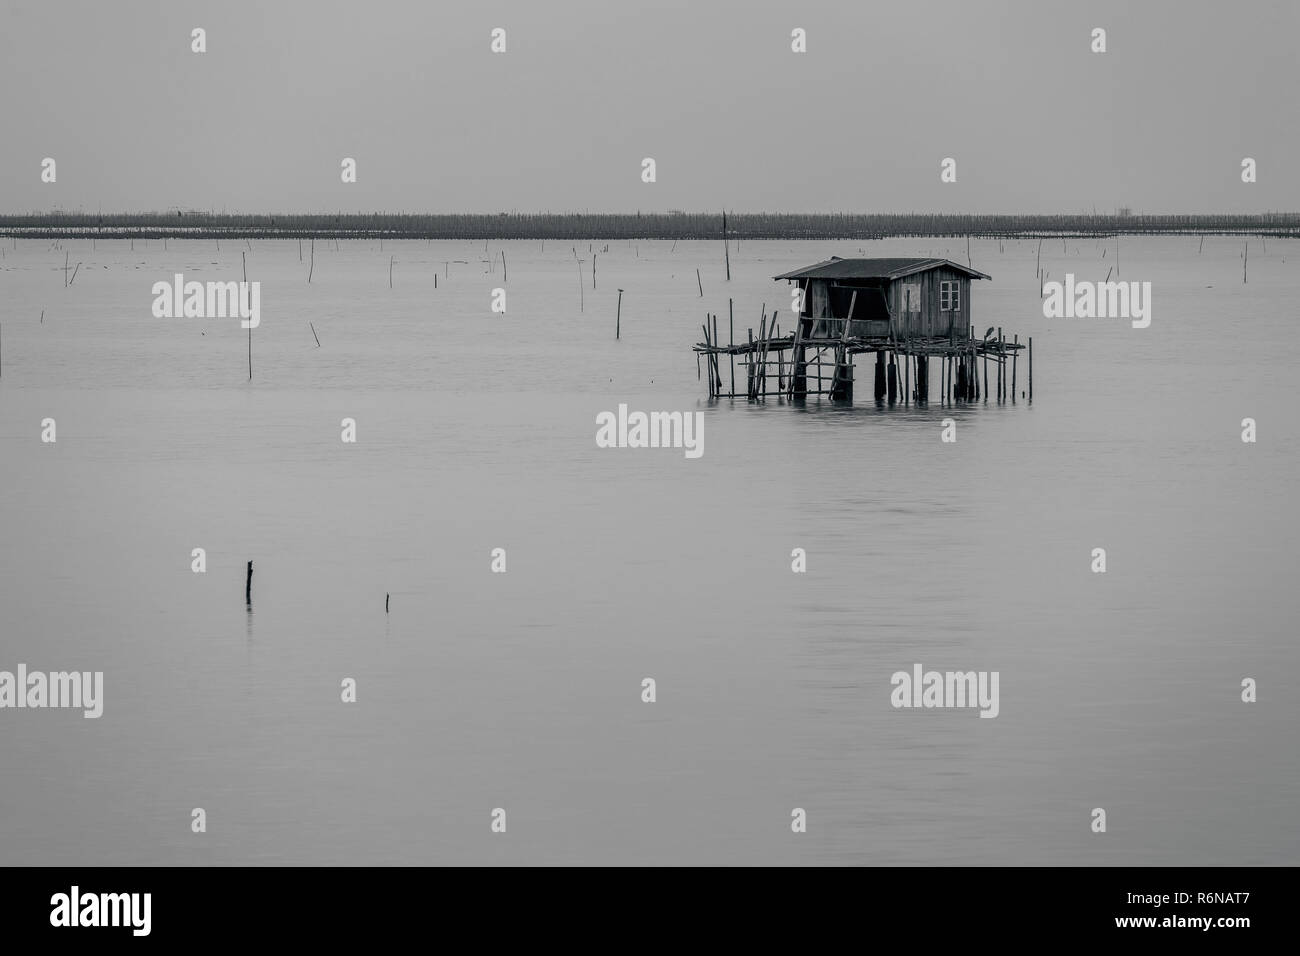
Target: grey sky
(711, 90)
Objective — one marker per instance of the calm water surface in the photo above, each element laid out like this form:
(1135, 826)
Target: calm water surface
(522, 690)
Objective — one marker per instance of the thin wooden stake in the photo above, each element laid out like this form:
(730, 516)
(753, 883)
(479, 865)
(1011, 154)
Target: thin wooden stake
(725, 246)
(700, 281)
(1031, 368)
(1002, 363)
(731, 341)
(1014, 355)
(312, 268)
(248, 586)
(717, 373)
(708, 359)
(314, 335)
(618, 317)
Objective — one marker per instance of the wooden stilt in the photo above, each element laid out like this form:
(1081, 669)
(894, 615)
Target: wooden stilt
(708, 358)
(1014, 355)
(749, 377)
(731, 340)
(717, 373)
(1001, 365)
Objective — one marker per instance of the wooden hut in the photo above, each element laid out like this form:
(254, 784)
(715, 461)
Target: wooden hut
(890, 298)
(904, 312)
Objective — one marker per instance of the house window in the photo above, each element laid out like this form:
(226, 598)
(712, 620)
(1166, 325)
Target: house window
(949, 297)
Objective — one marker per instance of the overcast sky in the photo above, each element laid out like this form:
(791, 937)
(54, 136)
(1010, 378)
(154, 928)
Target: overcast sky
(709, 89)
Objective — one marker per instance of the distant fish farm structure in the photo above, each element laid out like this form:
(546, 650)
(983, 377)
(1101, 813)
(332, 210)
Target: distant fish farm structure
(905, 311)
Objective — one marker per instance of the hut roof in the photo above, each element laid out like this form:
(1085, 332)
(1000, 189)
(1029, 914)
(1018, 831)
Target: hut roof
(837, 268)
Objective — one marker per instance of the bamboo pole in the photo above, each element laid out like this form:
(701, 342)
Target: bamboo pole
(618, 317)
(248, 586)
(907, 378)
(749, 376)
(725, 247)
(731, 341)
(700, 282)
(780, 368)
(1002, 365)
(1014, 355)
(312, 267)
(314, 335)
(717, 373)
(708, 361)
(1031, 368)
(986, 373)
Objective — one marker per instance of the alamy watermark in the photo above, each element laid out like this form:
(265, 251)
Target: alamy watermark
(1098, 300)
(37, 689)
(75, 908)
(947, 689)
(626, 429)
(208, 300)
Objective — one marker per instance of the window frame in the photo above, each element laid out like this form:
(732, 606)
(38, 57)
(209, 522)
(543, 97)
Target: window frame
(950, 295)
